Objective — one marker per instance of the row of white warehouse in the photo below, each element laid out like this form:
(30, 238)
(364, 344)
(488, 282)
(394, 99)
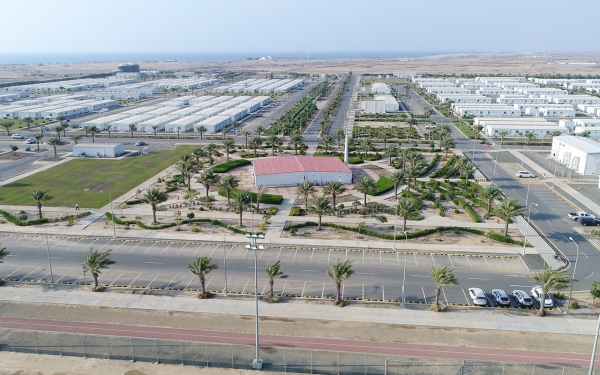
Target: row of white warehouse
(55, 106)
(183, 114)
(261, 86)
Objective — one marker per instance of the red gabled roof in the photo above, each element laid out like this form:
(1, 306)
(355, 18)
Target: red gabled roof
(293, 164)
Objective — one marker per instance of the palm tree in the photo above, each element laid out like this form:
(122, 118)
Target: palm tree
(198, 152)
(447, 143)
(38, 138)
(466, 168)
(228, 143)
(95, 262)
(365, 145)
(529, 136)
(3, 254)
(503, 135)
(210, 151)
(334, 188)
(339, 135)
(7, 125)
(255, 143)
(186, 168)
(412, 122)
(397, 178)
(442, 276)
(391, 151)
(274, 141)
(339, 273)
(407, 209)
(58, 129)
(239, 200)
(54, 142)
(201, 267)
(490, 193)
(260, 130)
(385, 134)
(327, 141)
(246, 134)
(154, 197)
(178, 130)
(132, 128)
(507, 209)
(208, 178)
(76, 138)
(296, 139)
(305, 189)
(549, 279)
(93, 130)
(366, 185)
(273, 270)
(201, 129)
(319, 206)
(411, 173)
(585, 134)
(28, 120)
(228, 183)
(260, 191)
(414, 157)
(154, 129)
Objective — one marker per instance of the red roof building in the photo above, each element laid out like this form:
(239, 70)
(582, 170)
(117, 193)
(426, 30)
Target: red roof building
(292, 170)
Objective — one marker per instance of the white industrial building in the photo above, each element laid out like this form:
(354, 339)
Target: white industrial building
(448, 91)
(380, 88)
(536, 92)
(496, 92)
(556, 111)
(201, 99)
(574, 100)
(123, 124)
(293, 170)
(235, 113)
(160, 111)
(216, 123)
(391, 104)
(464, 98)
(103, 122)
(540, 131)
(99, 150)
(158, 122)
(372, 106)
(485, 110)
(577, 153)
(186, 124)
(510, 100)
(507, 120)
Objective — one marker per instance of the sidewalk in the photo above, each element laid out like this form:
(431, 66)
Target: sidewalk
(467, 320)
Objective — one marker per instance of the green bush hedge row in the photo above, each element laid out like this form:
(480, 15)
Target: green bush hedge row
(134, 201)
(383, 185)
(430, 165)
(442, 171)
(168, 225)
(416, 234)
(43, 220)
(266, 198)
(224, 167)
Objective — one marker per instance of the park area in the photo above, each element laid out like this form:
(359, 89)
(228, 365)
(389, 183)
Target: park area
(88, 181)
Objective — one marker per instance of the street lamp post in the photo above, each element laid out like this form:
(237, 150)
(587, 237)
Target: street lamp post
(113, 215)
(573, 275)
(591, 372)
(48, 251)
(404, 271)
(225, 259)
(527, 227)
(395, 222)
(257, 363)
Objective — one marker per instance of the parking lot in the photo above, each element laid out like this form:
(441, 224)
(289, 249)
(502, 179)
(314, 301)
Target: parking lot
(379, 275)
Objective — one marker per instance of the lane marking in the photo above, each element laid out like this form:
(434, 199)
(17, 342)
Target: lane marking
(132, 280)
(477, 278)
(181, 249)
(153, 263)
(279, 253)
(245, 286)
(466, 256)
(147, 286)
(169, 284)
(15, 271)
(424, 298)
(165, 249)
(304, 287)
(419, 276)
(198, 249)
(65, 275)
(115, 280)
(449, 257)
(37, 268)
(589, 276)
(150, 247)
(136, 245)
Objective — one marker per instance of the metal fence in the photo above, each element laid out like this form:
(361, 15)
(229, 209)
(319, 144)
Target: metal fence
(304, 361)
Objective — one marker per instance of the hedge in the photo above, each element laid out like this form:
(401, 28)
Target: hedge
(266, 198)
(416, 234)
(352, 160)
(134, 201)
(442, 171)
(43, 220)
(430, 165)
(224, 167)
(383, 185)
(168, 225)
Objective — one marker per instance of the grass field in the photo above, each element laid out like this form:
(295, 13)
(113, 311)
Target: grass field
(80, 181)
(19, 123)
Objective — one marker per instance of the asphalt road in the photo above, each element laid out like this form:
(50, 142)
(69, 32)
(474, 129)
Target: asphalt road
(549, 217)
(338, 121)
(163, 264)
(279, 341)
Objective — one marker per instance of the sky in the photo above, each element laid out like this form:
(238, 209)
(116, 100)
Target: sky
(279, 26)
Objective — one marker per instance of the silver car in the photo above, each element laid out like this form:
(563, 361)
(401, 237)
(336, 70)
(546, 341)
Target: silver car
(537, 294)
(523, 298)
(501, 297)
(478, 296)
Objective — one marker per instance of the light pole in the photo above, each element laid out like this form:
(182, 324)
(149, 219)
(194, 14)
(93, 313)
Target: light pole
(572, 276)
(48, 251)
(225, 259)
(591, 372)
(404, 272)
(527, 227)
(257, 363)
(395, 222)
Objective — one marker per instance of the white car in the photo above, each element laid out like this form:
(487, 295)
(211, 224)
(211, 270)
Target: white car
(537, 294)
(524, 174)
(478, 296)
(17, 136)
(29, 141)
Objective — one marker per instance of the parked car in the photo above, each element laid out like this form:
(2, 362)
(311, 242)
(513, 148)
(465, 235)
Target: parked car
(501, 297)
(587, 221)
(45, 128)
(140, 143)
(536, 293)
(17, 136)
(75, 126)
(577, 215)
(478, 296)
(524, 174)
(522, 297)
(29, 141)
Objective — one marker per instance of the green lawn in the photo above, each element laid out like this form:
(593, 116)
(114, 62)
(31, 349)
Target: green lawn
(80, 181)
(19, 123)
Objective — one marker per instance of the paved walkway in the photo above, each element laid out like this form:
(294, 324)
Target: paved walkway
(310, 343)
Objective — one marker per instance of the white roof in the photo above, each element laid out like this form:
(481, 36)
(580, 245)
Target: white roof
(98, 145)
(581, 143)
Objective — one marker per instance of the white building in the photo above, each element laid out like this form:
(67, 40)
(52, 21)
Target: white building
(185, 124)
(235, 113)
(574, 100)
(99, 150)
(293, 170)
(556, 111)
(391, 104)
(372, 106)
(448, 90)
(464, 98)
(485, 110)
(380, 88)
(577, 153)
(520, 131)
(216, 123)
(158, 122)
(103, 122)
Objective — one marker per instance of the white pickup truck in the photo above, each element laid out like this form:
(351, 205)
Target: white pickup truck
(577, 215)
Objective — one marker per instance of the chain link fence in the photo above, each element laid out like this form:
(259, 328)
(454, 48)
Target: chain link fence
(303, 361)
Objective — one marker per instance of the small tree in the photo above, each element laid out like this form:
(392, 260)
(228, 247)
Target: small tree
(274, 141)
(54, 142)
(508, 209)
(154, 197)
(228, 143)
(239, 200)
(296, 139)
(407, 209)
(40, 196)
(340, 271)
(246, 134)
(76, 138)
(446, 143)
(490, 193)
(549, 279)
(366, 185)
(319, 206)
(132, 128)
(255, 143)
(154, 129)
(38, 138)
(327, 142)
(7, 125)
(228, 183)
(95, 262)
(201, 267)
(441, 276)
(210, 150)
(397, 178)
(305, 189)
(260, 191)
(334, 188)
(273, 270)
(259, 130)
(595, 291)
(28, 121)
(207, 178)
(58, 130)
(93, 130)
(201, 129)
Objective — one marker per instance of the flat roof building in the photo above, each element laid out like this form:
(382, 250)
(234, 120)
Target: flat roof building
(577, 153)
(293, 170)
(99, 150)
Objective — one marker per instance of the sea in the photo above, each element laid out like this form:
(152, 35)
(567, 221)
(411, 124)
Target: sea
(68, 58)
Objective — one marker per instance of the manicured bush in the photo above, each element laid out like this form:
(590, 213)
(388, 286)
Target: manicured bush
(296, 211)
(134, 201)
(266, 198)
(383, 185)
(43, 220)
(168, 225)
(224, 167)
(430, 165)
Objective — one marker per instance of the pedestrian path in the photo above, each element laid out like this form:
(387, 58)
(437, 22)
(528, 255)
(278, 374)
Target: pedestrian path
(301, 310)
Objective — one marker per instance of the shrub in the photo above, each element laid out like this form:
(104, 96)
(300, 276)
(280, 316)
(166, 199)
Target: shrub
(341, 206)
(272, 210)
(558, 295)
(23, 217)
(195, 229)
(352, 160)
(383, 185)
(134, 201)
(44, 220)
(456, 211)
(293, 231)
(574, 305)
(296, 211)
(224, 167)
(266, 198)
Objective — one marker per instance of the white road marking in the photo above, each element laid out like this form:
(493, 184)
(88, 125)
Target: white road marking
(279, 253)
(585, 255)
(468, 303)
(60, 243)
(302, 295)
(265, 287)
(150, 247)
(449, 257)
(136, 245)
(284, 284)
(181, 249)
(477, 278)
(419, 276)
(134, 280)
(445, 296)
(37, 268)
(216, 247)
(323, 292)
(14, 271)
(424, 298)
(165, 249)
(524, 286)
(589, 276)
(188, 284)
(198, 249)
(432, 260)
(109, 241)
(147, 286)
(153, 263)
(365, 273)
(466, 256)
(123, 243)
(549, 222)
(65, 275)
(295, 254)
(243, 290)
(212, 277)
(169, 284)
(486, 262)
(115, 280)
(311, 255)
(415, 254)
